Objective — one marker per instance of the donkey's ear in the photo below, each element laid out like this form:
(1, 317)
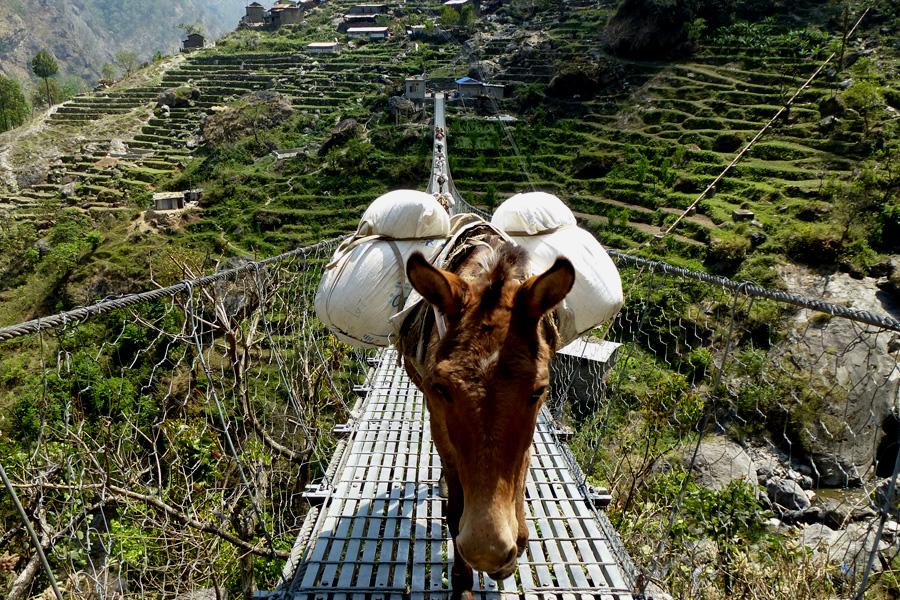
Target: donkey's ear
(542, 293)
(440, 288)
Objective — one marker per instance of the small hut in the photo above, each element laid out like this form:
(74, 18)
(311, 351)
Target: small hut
(168, 200)
(194, 41)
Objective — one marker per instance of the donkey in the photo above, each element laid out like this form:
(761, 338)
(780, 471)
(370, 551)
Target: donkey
(484, 367)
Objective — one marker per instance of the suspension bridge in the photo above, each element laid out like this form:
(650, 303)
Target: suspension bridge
(380, 527)
(229, 376)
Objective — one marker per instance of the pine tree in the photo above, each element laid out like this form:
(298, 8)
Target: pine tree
(44, 66)
(13, 106)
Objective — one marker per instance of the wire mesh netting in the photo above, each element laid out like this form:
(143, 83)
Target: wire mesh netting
(163, 447)
(748, 437)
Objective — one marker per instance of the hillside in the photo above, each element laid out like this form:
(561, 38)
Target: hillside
(289, 146)
(95, 30)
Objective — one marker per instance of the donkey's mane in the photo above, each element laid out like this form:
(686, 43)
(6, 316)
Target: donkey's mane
(506, 263)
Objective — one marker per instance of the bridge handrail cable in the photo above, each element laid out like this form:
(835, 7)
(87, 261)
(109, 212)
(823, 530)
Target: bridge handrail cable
(750, 289)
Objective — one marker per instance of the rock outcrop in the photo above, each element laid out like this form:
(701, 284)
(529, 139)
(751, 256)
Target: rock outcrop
(253, 112)
(852, 379)
(340, 135)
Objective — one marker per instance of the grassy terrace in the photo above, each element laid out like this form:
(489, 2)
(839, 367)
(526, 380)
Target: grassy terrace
(628, 156)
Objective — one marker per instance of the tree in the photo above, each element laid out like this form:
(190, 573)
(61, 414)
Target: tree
(59, 91)
(449, 16)
(865, 98)
(109, 72)
(13, 106)
(188, 29)
(127, 61)
(467, 16)
(44, 66)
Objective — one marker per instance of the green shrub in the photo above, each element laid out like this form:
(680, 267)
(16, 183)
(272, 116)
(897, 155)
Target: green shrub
(726, 252)
(813, 243)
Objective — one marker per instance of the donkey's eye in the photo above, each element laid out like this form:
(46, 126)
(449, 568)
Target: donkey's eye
(441, 391)
(538, 394)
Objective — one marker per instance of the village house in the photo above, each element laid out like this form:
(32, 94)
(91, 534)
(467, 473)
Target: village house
(256, 14)
(357, 21)
(323, 48)
(175, 200)
(168, 200)
(368, 9)
(415, 31)
(194, 41)
(285, 13)
(371, 33)
(466, 87)
(415, 88)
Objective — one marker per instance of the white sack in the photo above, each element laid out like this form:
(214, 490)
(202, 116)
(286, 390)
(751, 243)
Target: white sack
(596, 296)
(532, 213)
(364, 287)
(543, 225)
(405, 214)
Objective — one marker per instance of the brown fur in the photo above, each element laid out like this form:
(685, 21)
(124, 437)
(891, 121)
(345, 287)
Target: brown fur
(484, 384)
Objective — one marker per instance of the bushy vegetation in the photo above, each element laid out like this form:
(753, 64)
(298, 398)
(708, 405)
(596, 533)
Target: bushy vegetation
(14, 108)
(820, 193)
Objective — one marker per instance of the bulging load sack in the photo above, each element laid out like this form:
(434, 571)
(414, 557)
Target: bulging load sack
(547, 229)
(365, 282)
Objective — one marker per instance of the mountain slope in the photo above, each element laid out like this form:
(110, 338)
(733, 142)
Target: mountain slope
(85, 34)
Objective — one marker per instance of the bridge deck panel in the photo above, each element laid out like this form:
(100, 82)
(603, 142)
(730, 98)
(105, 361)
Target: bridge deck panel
(381, 531)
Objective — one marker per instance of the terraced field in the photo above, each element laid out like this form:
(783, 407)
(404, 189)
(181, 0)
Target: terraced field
(631, 161)
(628, 157)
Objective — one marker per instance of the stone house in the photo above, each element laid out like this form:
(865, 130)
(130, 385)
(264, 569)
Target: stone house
(285, 13)
(256, 13)
(194, 41)
(168, 200)
(368, 9)
(466, 87)
(415, 88)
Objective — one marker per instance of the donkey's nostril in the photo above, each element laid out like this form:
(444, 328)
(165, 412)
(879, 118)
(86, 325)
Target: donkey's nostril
(511, 556)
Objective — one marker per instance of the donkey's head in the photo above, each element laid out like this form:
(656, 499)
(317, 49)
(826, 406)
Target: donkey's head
(485, 381)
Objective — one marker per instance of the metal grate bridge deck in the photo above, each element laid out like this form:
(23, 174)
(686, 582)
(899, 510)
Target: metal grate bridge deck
(380, 531)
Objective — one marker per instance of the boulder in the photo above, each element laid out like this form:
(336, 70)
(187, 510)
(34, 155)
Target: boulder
(833, 106)
(849, 376)
(890, 280)
(644, 29)
(837, 514)
(826, 124)
(851, 549)
(758, 238)
(818, 536)
(718, 463)
(178, 97)
(728, 142)
(117, 146)
(585, 80)
(253, 112)
(787, 494)
(340, 135)
(400, 105)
